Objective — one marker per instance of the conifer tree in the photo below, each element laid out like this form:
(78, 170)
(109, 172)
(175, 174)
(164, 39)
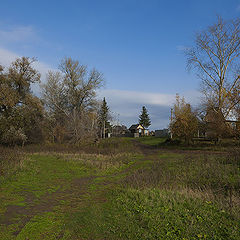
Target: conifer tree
(104, 117)
(144, 119)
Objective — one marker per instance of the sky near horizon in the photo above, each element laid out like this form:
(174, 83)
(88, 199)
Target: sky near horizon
(137, 44)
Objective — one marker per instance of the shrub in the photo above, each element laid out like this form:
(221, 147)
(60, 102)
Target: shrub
(14, 136)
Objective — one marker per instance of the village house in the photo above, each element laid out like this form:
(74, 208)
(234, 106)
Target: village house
(217, 125)
(119, 131)
(138, 130)
(214, 126)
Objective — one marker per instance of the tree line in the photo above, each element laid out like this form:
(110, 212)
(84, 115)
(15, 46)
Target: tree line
(67, 110)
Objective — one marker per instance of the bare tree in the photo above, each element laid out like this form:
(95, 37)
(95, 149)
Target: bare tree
(80, 84)
(216, 59)
(53, 93)
(70, 97)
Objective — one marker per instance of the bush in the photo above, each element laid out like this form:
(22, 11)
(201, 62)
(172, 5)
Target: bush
(14, 136)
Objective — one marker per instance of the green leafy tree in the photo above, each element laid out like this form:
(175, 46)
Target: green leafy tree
(144, 118)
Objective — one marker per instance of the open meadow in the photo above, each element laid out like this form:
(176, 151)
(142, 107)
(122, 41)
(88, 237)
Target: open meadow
(119, 188)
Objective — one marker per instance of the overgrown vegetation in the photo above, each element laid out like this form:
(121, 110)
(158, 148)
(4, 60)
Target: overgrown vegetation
(184, 122)
(210, 177)
(10, 161)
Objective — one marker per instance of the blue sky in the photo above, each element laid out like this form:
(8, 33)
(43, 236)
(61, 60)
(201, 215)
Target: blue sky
(137, 44)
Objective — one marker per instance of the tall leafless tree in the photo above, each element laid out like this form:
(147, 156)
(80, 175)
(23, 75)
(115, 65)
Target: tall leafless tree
(216, 59)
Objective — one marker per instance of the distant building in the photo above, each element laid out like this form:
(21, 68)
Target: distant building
(119, 130)
(214, 125)
(217, 125)
(162, 133)
(137, 130)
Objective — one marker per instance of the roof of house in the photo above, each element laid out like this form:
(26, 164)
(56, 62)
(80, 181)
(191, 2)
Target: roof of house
(214, 114)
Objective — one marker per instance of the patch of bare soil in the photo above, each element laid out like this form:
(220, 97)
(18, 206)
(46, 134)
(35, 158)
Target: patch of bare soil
(145, 149)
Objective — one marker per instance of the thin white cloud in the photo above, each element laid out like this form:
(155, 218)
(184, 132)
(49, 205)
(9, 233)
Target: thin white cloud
(182, 48)
(7, 57)
(138, 97)
(17, 34)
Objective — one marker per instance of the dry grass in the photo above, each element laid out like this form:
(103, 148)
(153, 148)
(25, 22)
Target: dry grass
(11, 159)
(106, 154)
(99, 161)
(109, 146)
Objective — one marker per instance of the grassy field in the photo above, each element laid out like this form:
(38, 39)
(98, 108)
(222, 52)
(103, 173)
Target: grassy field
(152, 141)
(166, 143)
(119, 189)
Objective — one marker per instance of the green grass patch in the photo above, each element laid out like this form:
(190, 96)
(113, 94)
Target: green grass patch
(152, 141)
(45, 226)
(44, 174)
(153, 214)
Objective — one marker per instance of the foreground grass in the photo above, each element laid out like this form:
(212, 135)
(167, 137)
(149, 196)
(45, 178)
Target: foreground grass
(154, 214)
(75, 194)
